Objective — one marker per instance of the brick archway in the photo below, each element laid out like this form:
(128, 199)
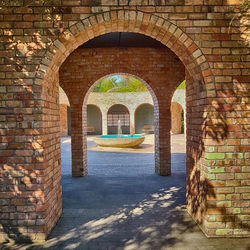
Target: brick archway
(88, 65)
(132, 123)
(200, 87)
(198, 75)
(128, 21)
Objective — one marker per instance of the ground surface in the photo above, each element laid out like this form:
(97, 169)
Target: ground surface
(123, 204)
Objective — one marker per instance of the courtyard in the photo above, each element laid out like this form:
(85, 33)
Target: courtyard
(123, 204)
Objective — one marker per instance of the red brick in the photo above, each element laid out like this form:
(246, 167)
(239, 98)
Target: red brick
(223, 60)
(221, 37)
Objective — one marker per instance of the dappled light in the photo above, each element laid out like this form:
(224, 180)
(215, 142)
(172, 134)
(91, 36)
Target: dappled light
(205, 43)
(216, 129)
(145, 231)
(226, 106)
(240, 21)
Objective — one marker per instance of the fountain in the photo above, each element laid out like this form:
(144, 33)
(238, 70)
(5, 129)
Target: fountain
(119, 140)
(119, 128)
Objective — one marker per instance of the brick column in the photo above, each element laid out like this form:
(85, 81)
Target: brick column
(163, 159)
(78, 141)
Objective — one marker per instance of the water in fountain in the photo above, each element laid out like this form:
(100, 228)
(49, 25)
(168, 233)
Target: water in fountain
(119, 128)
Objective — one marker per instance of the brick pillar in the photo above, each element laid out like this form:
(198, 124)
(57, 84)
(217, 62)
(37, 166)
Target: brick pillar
(78, 141)
(163, 159)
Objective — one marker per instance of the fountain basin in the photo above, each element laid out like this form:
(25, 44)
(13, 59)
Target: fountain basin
(122, 141)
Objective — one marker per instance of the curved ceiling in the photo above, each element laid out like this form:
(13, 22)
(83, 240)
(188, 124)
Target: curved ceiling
(122, 39)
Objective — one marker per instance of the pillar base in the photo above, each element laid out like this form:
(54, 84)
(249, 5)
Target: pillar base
(163, 171)
(79, 174)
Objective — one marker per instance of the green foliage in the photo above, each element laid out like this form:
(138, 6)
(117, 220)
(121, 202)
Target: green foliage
(104, 85)
(245, 6)
(182, 85)
(124, 84)
(119, 84)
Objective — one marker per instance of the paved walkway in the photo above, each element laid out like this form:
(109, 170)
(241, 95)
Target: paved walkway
(123, 204)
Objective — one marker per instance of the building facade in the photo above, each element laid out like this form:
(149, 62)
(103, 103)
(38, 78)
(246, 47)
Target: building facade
(139, 106)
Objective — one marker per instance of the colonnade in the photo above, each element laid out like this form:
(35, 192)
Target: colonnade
(131, 101)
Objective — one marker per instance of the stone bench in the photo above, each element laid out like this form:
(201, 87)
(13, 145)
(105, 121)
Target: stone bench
(90, 130)
(148, 129)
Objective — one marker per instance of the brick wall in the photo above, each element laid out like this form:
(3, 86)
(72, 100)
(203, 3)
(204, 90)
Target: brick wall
(216, 58)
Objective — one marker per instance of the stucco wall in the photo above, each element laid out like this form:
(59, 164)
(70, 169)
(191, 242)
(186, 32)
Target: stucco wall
(132, 100)
(144, 115)
(94, 119)
(124, 98)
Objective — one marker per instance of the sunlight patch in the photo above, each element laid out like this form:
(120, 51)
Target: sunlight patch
(73, 246)
(66, 141)
(137, 211)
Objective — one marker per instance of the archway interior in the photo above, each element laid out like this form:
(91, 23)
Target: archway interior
(122, 39)
(161, 69)
(144, 118)
(118, 102)
(118, 96)
(116, 113)
(94, 120)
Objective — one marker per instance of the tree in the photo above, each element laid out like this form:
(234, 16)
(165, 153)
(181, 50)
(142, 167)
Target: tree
(119, 84)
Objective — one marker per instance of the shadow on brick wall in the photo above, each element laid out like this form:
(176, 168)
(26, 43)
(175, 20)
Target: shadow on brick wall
(223, 117)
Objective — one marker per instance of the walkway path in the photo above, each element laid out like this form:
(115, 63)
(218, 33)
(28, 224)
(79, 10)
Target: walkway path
(123, 204)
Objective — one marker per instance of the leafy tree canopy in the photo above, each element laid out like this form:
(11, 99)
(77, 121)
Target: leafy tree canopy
(119, 84)
(122, 84)
(182, 85)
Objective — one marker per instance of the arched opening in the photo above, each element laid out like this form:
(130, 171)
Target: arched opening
(198, 76)
(94, 120)
(162, 82)
(119, 103)
(118, 112)
(157, 78)
(177, 118)
(144, 119)
(65, 131)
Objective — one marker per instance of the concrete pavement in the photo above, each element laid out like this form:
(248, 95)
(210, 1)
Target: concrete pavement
(123, 204)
